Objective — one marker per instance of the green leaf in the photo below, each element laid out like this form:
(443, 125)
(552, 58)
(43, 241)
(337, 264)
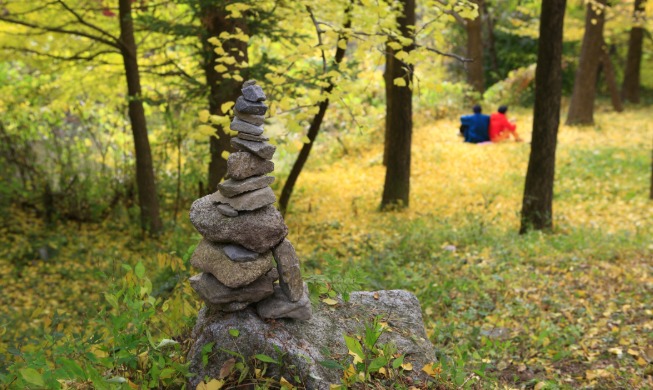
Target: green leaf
(265, 358)
(206, 349)
(234, 332)
(74, 370)
(112, 300)
(32, 376)
(377, 363)
(398, 362)
(354, 346)
(139, 270)
(331, 364)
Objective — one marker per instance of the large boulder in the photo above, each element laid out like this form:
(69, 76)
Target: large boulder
(259, 230)
(303, 344)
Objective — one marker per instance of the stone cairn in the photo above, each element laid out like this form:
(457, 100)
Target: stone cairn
(243, 233)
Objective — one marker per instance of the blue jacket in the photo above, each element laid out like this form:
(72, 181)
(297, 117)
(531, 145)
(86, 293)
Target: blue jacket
(477, 127)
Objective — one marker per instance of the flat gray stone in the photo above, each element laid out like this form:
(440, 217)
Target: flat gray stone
(239, 254)
(259, 230)
(262, 149)
(244, 127)
(210, 257)
(256, 138)
(228, 307)
(253, 93)
(247, 107)
(241, 165)
(290, 276)
(250, 118)
(249, 200)
(304, 344)
(233, 187)
(227, 210)
(279, 306)
(249, 82)
(213, 292)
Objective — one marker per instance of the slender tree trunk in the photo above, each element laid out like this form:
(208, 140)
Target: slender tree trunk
(492, 50)
(399, 119)
(610, 79)
(316, 123)
(388, 81)
(475, 50)
(581, 108)
(537, 205)
(630, 86)
(215, 21)
(147, 196)
(651, 192)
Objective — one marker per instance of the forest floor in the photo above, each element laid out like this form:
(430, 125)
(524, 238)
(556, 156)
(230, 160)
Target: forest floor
(570, 309)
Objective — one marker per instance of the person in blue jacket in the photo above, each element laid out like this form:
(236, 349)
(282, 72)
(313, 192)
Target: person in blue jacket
(474, 127)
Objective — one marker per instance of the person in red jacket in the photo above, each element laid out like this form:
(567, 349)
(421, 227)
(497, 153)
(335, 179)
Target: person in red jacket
(501, 128)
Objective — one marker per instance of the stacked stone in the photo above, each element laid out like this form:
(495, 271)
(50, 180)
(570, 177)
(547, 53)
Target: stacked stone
(244, 234)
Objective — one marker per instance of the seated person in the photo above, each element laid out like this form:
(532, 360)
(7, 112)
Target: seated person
(474, 127)
(501, 128)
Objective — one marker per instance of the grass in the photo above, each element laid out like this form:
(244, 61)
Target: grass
(569, 309)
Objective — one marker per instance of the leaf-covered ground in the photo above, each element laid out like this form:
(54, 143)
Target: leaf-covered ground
(569, 309)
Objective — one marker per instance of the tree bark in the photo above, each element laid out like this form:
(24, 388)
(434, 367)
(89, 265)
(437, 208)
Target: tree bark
(221, 90)
(630, 86)
(610, 79)
(147, 196)
(316, 123)
(492, 50)
(475, 50)
(399, 121)
(581, 108)
(537, 205)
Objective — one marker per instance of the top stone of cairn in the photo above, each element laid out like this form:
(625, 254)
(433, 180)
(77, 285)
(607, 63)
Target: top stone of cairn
(253, 92)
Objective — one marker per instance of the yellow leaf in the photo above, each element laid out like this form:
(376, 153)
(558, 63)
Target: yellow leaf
(399, 82)
(214, 41)
(285, 384)
(205, 130)
(213, 384)
(306, 140)
(220, 68)
(632, 352)
(616, 351)
(225, 154)
(335, 387)
(394, 45)
(641, 361)
(204, 116)
(407, 366)
(431, 370)
(342, 44)
(238, 78)
(226, 106)
(349, 372)
(539, 386)
(383, 372)
(330, 301)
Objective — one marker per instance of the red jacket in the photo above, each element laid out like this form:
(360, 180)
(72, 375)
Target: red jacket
(500, 127)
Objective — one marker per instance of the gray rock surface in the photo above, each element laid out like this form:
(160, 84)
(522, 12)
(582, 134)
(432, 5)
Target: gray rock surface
(304, 343)
(227, 210)
(239, 254)
(256, 138)
(262, 149)
(249, 82)
(233, 187)
(244, 127)
(247, 107)
(248, 201)
(216, 293)
(253, 93)
(210, 257)
(228, 307)
(256, 120)
(259, 230)
(279, 306)
(290, 275)
(241, 165)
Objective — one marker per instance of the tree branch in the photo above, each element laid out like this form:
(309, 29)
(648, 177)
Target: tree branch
(61, 30)
(319, 32)
(85, 23)
(74, 57)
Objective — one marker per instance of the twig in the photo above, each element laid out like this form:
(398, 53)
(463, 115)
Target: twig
(319, 37)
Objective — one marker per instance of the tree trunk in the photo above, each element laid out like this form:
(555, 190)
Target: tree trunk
(610, 79)
(492, 50)
(221, 90)
(537, 205)
(147, 196)
(316, 123)
(630, 87)
(475, 50)
(581, 108)
(399, 120)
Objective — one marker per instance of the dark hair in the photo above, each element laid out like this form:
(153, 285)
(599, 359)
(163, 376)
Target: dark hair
(503, 109)
(477, 109)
